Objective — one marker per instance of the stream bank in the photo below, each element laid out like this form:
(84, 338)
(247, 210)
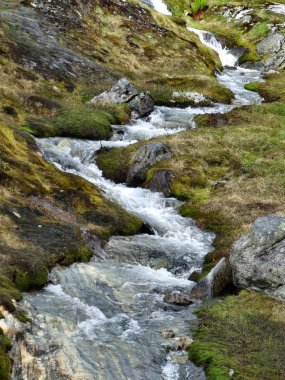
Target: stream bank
(100, 307)
(96, 315)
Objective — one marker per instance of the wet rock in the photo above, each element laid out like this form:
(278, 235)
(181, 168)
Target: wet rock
(178, 298)
(230, 67)
(274, 46)
(182, 343)
(122, 92)
(142, 105)
(258, 259)
(38, 46)
(147, 156)
(167, 334)
(239, 51)
(161, 182)
(214, 283)
(136, 251)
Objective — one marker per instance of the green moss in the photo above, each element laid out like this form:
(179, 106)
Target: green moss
(177, 7)
(21, 316)
(31, 278)
(244, 333)
(131, 227)
(5, 362)
(162, 89)
(253, 86)
(115, 163)
(79, 121)
(81, 254)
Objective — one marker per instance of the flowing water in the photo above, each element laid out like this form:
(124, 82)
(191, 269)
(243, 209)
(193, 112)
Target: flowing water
(277, 8)
(103, 320)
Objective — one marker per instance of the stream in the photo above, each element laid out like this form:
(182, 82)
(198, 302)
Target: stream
(103, 320)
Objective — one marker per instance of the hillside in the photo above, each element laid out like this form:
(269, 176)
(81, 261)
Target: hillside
(55, 56)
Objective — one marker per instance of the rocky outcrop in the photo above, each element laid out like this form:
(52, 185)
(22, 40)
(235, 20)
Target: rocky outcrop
(161, 182)
(141, 104)
(273, 48)
(122, 92)
(147, 156)
(258, 259)
(214, 283)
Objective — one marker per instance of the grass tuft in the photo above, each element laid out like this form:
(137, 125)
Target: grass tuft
(244, 333)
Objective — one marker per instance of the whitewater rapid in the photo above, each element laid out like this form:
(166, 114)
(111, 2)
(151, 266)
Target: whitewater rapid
(104, 320)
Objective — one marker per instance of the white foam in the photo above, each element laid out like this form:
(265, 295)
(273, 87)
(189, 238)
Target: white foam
(209, 40)
(91, 311)
(160, 7)
(170, 371)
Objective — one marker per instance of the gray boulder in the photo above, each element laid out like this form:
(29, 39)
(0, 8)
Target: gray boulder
(214, 283)
(258, 259)
(122, 92)
(161, 182)
(147, 156)
(141, 105)
(273, 48)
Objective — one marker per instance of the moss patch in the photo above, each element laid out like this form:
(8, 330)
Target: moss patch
(244, 333)
(5, 363)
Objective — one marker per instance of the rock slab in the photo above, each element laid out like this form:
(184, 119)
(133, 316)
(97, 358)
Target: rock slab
(161, 182)
(258, 259)
(214, 283)
(147, 156)
(141, 104)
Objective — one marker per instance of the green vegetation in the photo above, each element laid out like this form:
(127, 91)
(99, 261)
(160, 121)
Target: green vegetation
(5, 364)
(198, 7)
(79, 120)
(244, 148)
(244, 333)
(43, 210)
(233, 31)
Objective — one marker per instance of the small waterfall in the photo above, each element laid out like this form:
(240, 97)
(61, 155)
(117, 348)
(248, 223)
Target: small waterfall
(160, 7)
(208, 39)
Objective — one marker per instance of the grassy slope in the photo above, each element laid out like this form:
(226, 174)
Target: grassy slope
(160, 60)
(156, 53)
(244, 333)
